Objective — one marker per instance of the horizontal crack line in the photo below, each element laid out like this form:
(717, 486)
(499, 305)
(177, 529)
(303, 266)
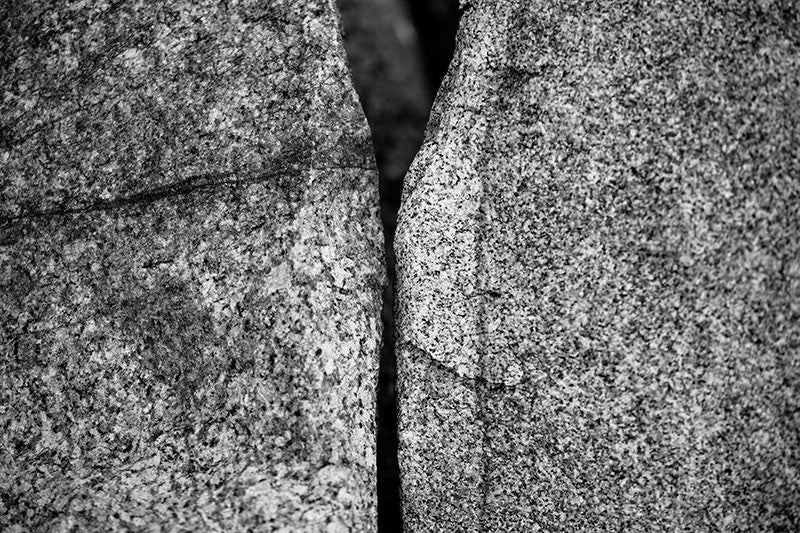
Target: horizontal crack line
(466, 381)
(191, 185)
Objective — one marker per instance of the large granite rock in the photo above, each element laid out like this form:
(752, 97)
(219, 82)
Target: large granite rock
(599, 272)
(191, 269)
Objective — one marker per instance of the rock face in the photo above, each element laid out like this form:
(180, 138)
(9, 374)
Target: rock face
(599, 273)
(191, 270)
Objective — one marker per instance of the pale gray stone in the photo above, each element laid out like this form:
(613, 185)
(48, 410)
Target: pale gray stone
(191, 269)
(599, 273)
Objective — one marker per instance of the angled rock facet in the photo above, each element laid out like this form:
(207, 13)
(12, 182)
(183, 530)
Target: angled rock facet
(599, 273)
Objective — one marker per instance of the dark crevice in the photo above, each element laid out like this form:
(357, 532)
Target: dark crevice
(436, 22)
(399, 52)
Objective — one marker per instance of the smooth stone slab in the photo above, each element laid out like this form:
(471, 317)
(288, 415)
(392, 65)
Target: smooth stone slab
(599, 273)
(191, 267)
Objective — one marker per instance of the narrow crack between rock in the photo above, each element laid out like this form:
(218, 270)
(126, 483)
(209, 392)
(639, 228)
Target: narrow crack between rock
(399, 52)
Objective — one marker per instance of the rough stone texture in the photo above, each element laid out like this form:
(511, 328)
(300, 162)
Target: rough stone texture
(599, 272)
(191, 269)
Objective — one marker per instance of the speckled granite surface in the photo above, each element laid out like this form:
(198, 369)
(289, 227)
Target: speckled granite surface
(599, 273)
(191, 269)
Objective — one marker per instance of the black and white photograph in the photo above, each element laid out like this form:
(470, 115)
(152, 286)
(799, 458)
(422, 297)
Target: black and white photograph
(399, 266)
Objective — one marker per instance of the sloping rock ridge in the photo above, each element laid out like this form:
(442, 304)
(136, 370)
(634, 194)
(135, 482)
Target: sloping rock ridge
(599, 272)
(191, 269)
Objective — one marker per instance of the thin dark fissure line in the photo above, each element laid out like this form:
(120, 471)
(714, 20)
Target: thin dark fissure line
(397, 113)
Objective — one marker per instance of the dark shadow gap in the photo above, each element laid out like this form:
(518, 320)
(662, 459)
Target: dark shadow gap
(436, 22)
(399, 52)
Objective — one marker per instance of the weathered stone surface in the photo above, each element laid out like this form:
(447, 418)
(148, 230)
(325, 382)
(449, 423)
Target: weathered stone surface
(191, 269)
(599, 273)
